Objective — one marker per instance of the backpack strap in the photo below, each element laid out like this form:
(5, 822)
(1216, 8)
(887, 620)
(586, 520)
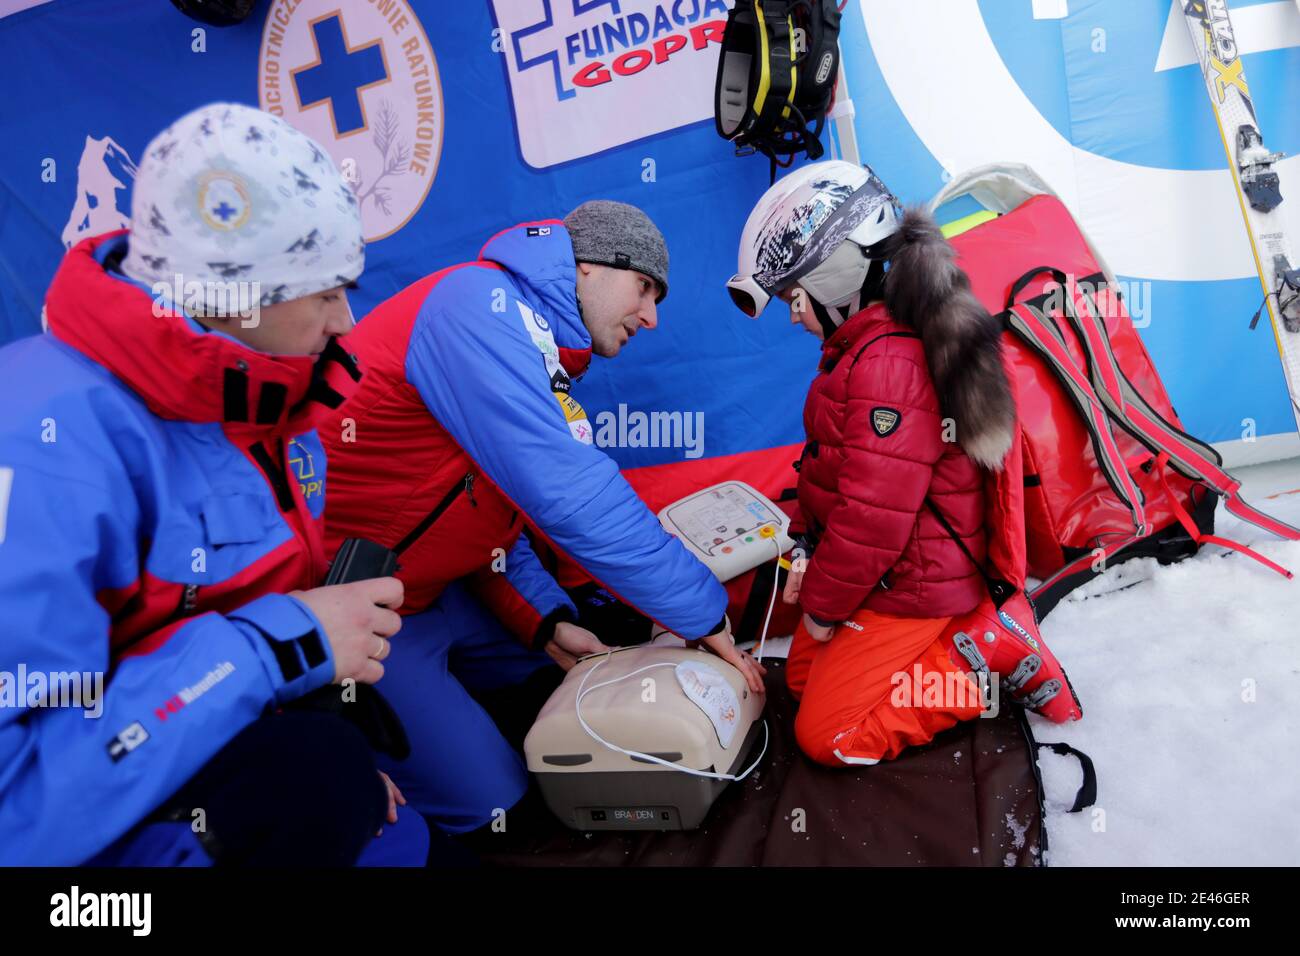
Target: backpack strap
(1038, 332)
(1199, 536)
(1190, 457)
(998, 589)
(1018, 286)
(1130, 409)
(1087, 794)
(883, 335)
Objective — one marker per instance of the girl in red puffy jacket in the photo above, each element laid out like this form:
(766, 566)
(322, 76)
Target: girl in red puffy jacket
(911, 403)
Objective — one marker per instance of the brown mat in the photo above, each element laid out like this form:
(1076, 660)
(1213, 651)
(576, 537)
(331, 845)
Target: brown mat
(969, 798)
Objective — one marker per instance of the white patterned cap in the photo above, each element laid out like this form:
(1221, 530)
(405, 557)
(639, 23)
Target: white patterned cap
(230, 194)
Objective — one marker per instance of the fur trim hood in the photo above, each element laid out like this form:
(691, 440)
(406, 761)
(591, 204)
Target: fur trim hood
(924, 289)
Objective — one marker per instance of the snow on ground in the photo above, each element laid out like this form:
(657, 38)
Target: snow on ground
(1190, 683)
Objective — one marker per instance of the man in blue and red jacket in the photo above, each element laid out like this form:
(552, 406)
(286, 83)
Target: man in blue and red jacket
(160, 544)
(464, 430)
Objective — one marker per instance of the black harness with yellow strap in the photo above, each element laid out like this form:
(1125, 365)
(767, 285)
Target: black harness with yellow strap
(776, 77)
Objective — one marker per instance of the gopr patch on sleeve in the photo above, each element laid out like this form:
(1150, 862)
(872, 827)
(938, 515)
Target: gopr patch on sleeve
(885, 420)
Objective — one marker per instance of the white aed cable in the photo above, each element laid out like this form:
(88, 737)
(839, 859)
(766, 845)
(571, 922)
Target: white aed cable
(584, 690)
(776, 578)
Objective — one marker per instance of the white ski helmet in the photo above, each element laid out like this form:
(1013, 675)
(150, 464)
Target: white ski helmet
(815, 227)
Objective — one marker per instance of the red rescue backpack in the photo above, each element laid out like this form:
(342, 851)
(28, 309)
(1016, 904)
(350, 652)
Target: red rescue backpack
(1109, 472)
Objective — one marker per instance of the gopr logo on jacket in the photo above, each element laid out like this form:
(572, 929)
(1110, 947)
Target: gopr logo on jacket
(307, 459)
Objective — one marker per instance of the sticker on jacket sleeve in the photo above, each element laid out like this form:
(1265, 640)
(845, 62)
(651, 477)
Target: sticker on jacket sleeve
(127, 740)
(539, 330)
(582, 431)
(705, 686)
(576, 416)
(885, 420)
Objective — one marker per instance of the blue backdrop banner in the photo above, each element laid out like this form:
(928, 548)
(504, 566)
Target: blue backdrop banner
(454, 121)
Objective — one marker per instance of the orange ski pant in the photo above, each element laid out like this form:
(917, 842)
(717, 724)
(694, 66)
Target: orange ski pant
(882, 683)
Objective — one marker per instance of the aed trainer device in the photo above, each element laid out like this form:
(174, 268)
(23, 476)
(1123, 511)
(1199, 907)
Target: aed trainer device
(730, 527)
(617, 749)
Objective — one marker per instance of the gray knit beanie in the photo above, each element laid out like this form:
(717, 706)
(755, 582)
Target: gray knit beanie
(616, 234)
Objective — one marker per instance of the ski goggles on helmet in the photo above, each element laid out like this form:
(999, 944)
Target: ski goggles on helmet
(748, 294)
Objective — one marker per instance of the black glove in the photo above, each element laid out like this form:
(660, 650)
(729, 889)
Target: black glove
(614, 622)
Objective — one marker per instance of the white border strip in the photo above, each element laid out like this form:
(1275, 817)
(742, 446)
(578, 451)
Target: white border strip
(10, 7)
(1264, 448)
